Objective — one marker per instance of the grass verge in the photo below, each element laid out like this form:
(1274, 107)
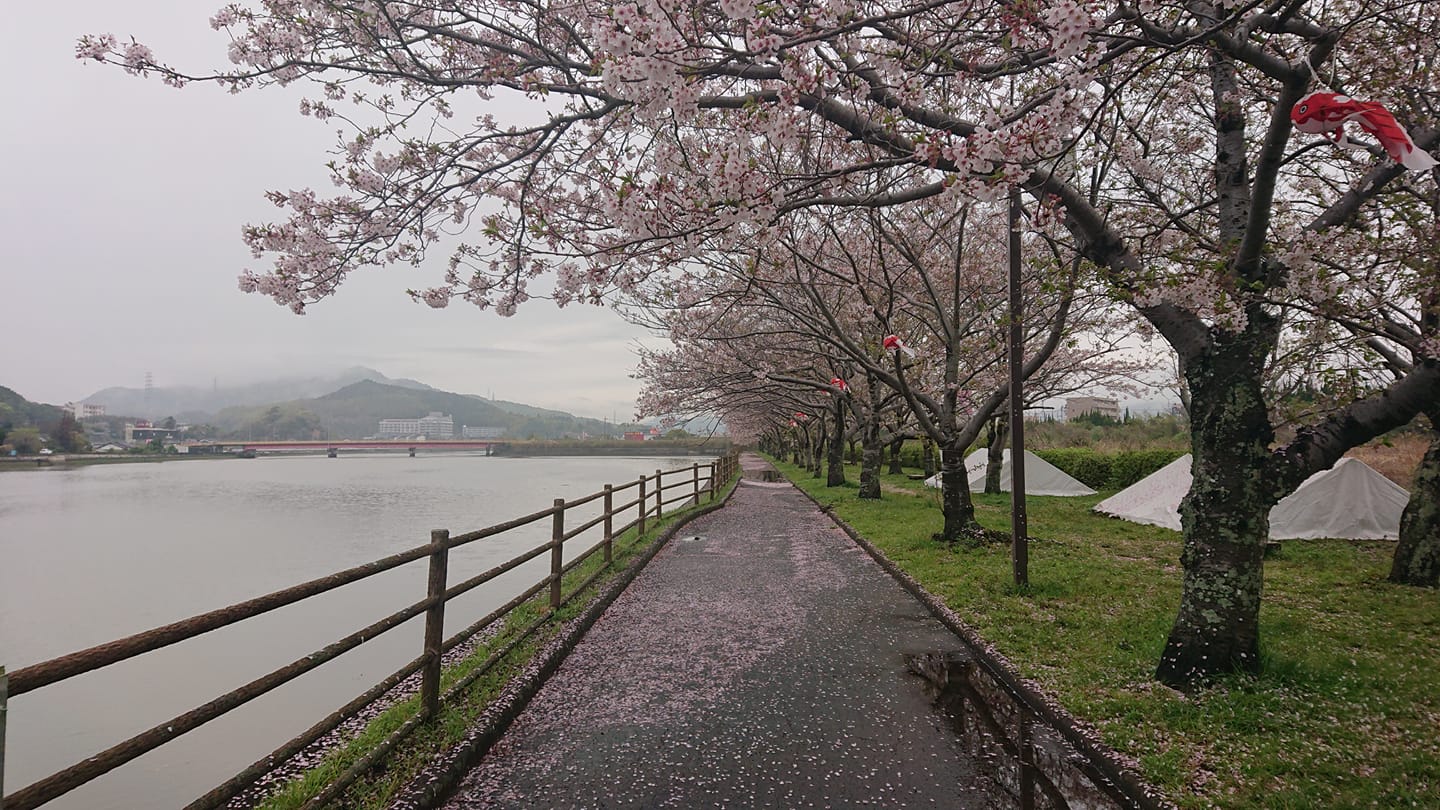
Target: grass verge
(377, 788)
(1346, 712)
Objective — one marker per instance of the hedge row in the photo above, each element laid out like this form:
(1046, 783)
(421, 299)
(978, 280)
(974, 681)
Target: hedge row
(1108, 470)
(1092, 468)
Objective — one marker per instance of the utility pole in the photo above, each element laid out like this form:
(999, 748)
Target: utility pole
(1019, 543)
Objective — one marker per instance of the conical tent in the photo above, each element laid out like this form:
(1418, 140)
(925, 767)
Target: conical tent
(1041, 477)
(1154, 499)
(1349, 500)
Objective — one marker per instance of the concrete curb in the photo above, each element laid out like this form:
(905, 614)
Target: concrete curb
(437, 780)
(1080, 736)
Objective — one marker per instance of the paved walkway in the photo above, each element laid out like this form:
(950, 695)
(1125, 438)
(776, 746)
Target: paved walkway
(758, 661)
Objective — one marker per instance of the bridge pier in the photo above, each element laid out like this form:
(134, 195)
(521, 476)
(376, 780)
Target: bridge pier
(412, 452)
(333, 452)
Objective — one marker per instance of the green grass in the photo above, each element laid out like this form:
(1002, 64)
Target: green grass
(377, 788)
(1346, 712)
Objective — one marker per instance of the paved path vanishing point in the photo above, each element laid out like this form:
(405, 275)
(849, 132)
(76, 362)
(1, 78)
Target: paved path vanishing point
(757, 661)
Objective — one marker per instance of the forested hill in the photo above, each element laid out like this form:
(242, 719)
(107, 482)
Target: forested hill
(20, 412)
(355, 411)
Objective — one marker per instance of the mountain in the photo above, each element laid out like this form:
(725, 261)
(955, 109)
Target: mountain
(355, 411)
(195, 404)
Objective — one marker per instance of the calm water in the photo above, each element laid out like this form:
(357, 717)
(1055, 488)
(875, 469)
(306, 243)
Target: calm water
(91, 554)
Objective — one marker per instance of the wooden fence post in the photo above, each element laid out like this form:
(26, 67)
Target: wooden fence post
(695, 473)
(644, 506)
(713, 471)
(4, 700)
(557, 552)
(435, 622)
(659, 494)
(609, 521)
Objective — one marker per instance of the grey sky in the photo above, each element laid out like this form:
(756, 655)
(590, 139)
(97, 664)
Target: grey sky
(120, 217)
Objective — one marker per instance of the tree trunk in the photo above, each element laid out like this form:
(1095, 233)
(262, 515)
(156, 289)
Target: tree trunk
(835, 462)
(955, 502)
(872, 452)
(817, 453)
(895, 447)
(995, 455)
(928, 457)
(1417, 557)
(1226, 521)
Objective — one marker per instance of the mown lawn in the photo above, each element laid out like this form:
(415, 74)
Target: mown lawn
(1346, 712)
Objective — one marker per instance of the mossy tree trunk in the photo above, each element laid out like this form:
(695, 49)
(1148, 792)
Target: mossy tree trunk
(927, 457)
(1225, 519)
(955, 502)
(1417, 557)
(996, 431)
(896, 445)
(871, 451)
(817, 450)
(835, 459)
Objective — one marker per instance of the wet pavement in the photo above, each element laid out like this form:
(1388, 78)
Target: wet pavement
(758, 661)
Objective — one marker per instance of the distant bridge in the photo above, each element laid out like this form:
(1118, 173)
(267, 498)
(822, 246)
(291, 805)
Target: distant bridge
(363, 444)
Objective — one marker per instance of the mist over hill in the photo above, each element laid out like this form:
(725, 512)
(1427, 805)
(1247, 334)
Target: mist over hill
(355, 411)
(199, 404)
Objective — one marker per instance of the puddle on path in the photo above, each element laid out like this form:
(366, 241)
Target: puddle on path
(1028, 761)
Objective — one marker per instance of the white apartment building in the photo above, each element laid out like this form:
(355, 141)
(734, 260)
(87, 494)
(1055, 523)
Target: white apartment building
(437, 426)
(434, 426)
(396, 428)
(1079, 406)
(80, 410)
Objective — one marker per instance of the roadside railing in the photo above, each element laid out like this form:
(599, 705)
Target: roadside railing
(682, 486)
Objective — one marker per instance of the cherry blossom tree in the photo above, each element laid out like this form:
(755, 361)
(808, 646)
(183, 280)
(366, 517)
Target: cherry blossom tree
(662, 129)
(844, 283)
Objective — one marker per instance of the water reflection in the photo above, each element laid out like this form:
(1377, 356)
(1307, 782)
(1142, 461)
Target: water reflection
(91, 554)
(1027, 763)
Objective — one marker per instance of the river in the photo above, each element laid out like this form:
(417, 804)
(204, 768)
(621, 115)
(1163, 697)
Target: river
(91, 554)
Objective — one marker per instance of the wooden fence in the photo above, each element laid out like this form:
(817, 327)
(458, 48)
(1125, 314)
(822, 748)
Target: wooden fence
(654, 493)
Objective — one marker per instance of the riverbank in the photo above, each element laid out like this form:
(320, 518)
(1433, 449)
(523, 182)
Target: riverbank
(1343, 714)
(16, 463)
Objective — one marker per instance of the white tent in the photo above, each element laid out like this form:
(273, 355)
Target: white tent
(1041, 477)
(1154, 499)
(1349, 500)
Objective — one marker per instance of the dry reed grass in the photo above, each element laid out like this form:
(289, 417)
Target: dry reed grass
(1395, 458)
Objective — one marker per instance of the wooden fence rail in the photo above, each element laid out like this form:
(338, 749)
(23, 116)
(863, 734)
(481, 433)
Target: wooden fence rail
(649, 503)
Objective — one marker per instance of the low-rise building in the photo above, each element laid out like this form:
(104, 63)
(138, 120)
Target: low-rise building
(1076, 407)
(398, 428)
(434, 426)
(482, 432)
(143, 432)
(81, 410)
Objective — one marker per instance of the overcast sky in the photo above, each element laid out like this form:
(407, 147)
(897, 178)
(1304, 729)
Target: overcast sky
(121, 203)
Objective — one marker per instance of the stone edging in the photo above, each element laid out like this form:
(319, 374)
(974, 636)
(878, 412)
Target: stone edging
(1080, 736)
(434, 783)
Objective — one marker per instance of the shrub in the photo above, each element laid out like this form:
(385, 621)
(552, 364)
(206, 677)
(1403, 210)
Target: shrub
(1132, 465)
(1081, 463)
(1108, 470)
